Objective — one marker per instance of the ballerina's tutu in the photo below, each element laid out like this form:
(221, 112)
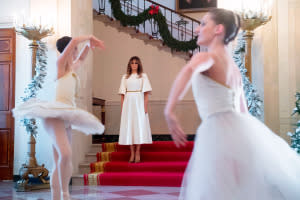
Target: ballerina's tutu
(235, 156)
(63, 108)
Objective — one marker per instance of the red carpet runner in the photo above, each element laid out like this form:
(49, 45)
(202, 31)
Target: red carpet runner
(162, 164)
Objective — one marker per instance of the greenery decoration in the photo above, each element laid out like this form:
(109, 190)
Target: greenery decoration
(254, 101)
(295, 137)
(36, 83)
(153, 12)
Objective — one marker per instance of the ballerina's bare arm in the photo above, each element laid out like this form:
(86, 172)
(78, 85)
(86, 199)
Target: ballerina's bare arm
(65, 55)
(92, 44)
(68, 51)
(179, 85)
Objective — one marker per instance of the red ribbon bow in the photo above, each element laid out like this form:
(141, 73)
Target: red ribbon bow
(153, 10)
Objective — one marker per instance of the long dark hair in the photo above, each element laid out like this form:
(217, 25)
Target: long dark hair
(140, 66)
(229, 19)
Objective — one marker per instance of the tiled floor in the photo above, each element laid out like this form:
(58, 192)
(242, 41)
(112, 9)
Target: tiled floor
(7, 192)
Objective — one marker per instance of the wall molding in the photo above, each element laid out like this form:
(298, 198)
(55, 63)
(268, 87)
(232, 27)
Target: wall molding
(7, 22)
(186, 110)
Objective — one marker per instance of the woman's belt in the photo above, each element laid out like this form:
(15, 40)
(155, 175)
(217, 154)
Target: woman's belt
(134, 91)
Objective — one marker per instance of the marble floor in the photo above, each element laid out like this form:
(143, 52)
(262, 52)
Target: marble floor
(7, 192)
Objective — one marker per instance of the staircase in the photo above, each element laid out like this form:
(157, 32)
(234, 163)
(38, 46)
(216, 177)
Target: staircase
(181, 26)
(162, 165)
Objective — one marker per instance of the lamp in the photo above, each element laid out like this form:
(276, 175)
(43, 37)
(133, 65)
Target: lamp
(34, 33)
(101, 4)
(181, 24)
(253, 13)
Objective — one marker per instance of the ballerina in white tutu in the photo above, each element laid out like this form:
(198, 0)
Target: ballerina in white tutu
(235, 156)
(61, 116)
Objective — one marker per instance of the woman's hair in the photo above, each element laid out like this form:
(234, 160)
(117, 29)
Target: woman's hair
(62, 42)
(229, 19)
(140, 66)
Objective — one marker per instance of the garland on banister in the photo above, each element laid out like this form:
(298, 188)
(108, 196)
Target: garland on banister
(152, 12)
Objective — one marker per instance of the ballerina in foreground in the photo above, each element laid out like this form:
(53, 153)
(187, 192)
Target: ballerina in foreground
(235, 156)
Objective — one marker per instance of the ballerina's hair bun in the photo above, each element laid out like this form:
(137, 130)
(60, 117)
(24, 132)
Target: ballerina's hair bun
(62, 42)
(230, 20)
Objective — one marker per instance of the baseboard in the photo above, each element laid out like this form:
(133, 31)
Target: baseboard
(31, 179)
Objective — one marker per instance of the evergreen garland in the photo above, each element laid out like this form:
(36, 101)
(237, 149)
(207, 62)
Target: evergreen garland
(252, 97)
(168, 39)
(36, 83)
(295, 137)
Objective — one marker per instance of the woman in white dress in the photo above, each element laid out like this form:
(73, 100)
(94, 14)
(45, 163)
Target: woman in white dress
(62, 115)
(134, 90)
(235, 156)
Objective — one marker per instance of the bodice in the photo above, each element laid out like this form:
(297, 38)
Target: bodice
(134, 83)
(67, 88)
(212, 97)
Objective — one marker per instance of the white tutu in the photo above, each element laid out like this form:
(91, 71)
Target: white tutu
(79, 119)
(236, 157)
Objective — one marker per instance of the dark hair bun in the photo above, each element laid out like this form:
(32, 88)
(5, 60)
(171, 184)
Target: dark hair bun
(62, 42)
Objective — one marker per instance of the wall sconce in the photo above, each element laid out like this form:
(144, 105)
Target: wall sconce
(253, 13)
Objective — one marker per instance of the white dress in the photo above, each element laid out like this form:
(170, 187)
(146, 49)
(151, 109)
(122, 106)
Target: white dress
(63, 108)
(235, 156)
(135, 126)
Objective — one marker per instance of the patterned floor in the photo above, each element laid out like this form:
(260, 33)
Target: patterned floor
(7, 192)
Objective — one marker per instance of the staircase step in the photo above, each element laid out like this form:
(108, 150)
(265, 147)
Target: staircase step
(91, 157)
(155, 42)
(141, 167)
(171, 179)
(145, 156)
(157, 146)
(162, 164)
(77, 179)
(96, 148)
(140, 35)
(84, 168)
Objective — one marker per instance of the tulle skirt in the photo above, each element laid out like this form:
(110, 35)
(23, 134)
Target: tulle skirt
(236, 157)
(77, 118)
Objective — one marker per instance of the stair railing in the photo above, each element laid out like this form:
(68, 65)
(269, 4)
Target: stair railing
(181, 27)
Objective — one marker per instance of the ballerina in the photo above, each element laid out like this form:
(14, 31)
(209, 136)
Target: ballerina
(235, 156)
(62, 115)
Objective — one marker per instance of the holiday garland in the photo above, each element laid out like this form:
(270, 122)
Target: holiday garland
(36, 83)
(153, 12)
(252, 97)
(295, 137)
